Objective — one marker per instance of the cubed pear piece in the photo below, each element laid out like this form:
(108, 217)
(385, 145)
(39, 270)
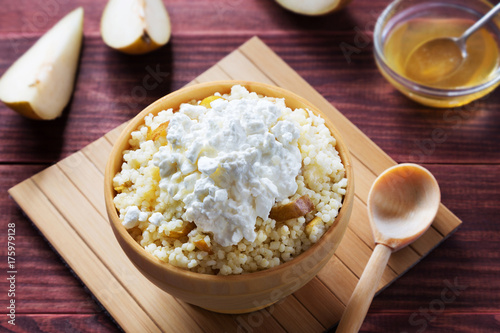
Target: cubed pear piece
(161, 130)
(183, 231)
(207, 100)
(292, 210)
(202, 245)
(135, 26)
(313, 7)
(40, 83)
(313, 223)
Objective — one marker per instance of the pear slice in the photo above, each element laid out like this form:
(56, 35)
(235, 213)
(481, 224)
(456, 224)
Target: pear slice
(292, 210)
(313, 7)
(40, 83)
(135, 26)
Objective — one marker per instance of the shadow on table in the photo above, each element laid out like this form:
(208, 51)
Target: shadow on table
(138, 80)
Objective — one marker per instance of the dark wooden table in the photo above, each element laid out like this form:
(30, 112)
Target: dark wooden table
(467, 164)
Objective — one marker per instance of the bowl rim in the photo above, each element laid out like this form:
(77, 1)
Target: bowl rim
(412, 85)
(121, 231)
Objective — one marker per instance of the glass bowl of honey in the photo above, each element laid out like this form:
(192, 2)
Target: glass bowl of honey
(407, 24)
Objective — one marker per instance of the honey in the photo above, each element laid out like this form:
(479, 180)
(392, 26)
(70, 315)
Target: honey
(478, 67)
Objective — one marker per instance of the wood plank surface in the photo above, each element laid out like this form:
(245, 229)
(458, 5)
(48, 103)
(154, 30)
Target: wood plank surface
(416, 287)
(51, 299)
(42, 269)
(404, 133)
(81, 258)
(83, 323)
(73, 189)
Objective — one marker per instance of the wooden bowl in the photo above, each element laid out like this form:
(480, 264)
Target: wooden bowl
(232, 293)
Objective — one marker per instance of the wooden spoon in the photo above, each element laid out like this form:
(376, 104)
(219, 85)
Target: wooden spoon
(402, 204)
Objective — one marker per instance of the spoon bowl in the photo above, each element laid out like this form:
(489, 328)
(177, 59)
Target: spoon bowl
(437, 59)
(402, 204)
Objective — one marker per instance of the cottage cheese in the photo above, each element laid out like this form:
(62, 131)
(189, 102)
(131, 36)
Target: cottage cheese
(133, 217)
(229, 164)
(209, 170)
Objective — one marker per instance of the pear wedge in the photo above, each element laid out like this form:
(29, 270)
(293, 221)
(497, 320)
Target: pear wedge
(313, 7)
(135, 26)
(40, 83)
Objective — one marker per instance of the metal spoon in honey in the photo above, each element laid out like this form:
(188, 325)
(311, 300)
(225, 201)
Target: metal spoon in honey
(402, 203)
(437, 59)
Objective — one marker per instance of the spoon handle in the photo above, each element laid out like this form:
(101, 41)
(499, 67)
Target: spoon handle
(476, 26)
(362, 296)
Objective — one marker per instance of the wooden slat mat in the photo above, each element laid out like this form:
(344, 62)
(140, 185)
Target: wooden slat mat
(66, 203)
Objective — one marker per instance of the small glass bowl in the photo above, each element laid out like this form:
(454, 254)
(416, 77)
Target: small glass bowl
(400, 11)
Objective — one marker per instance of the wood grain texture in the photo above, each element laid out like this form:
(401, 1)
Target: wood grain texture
(109, 87)
(433, 321)
(360, 301)
(44, 283)
(414, 290)
(84, 323)
(201, 16)
(124, 309)
(466, 164)
(73, 190)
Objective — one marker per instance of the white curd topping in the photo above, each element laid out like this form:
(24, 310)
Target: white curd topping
(229, 164)
(156, 218)
(131, 217)
(223, 166)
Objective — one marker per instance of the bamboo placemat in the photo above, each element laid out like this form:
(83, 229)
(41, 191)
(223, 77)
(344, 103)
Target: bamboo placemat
(66, 202)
